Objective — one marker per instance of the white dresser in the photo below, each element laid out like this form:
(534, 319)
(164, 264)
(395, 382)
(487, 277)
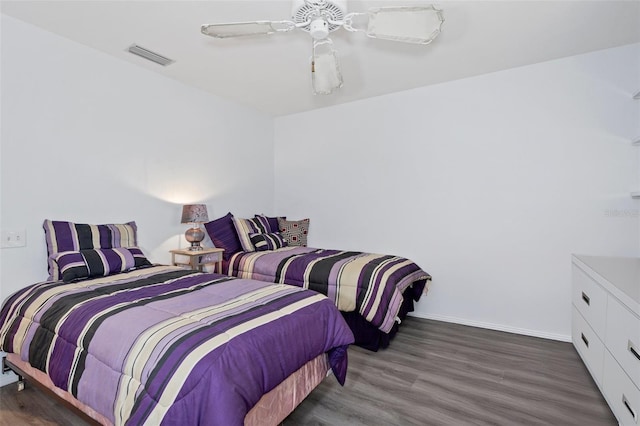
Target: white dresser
(606, 328)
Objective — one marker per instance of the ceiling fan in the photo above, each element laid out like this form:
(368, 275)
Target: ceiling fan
(409, 24)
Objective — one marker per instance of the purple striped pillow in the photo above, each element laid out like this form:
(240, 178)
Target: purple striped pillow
(272, 221)
(263, 224)
(264, 242)
(68, 236)
(78, 265)
(247, 227)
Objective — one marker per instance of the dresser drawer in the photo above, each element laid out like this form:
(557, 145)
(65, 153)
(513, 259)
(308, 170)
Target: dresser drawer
(588, 345)
(623, 338)
(590, 299)
(623, 396)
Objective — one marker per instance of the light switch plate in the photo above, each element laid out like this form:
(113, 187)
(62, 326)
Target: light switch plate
(13, 238)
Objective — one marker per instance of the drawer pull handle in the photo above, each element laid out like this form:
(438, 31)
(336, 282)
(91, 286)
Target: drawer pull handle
(584, 339)
(633, 350)
(626, 404)
(586, 299)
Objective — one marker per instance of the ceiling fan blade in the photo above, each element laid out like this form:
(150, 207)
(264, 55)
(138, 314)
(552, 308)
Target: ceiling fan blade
(325, 69)
(243, 29)
(419, 25)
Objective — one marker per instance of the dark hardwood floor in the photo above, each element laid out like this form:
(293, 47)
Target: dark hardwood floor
(437, 373)
(433, 373)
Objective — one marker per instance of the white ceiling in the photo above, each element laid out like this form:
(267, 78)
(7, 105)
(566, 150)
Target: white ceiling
(271, 73)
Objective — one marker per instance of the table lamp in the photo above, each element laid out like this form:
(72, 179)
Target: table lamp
(194, 214)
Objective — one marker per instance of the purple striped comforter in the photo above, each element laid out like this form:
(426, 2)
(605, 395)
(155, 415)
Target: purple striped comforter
(370, 284)
(163, 345)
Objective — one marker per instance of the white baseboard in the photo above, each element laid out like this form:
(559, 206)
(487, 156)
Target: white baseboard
(497, 327)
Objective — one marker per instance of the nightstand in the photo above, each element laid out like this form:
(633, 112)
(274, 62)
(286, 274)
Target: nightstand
(198, 258)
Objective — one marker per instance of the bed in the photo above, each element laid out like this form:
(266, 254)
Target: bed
(165, 345)
(373, 291)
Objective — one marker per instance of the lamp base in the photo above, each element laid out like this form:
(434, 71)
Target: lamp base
(194, 236)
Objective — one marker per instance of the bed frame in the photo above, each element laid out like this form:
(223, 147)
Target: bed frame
(8, 366)
(272, 408)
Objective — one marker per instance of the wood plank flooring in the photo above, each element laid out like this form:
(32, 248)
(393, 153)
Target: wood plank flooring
(433, 373)
(436, 373)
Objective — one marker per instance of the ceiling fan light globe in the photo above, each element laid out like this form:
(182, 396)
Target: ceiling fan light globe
(325, 76)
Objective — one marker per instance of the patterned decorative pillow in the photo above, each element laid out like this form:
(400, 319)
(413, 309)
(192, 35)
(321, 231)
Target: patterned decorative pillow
(68, 236)
(246, 227)
(78, 265)
(270, 241)
(223, 235)
(294, 231)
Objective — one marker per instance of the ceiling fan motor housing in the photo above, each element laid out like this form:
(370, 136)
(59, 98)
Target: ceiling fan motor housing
(310, 10)
(319, 29)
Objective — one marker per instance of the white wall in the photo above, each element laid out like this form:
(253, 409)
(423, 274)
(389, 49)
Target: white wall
(93, 139)
(488, 183)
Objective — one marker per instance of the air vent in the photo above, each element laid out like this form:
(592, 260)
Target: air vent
(148, 54)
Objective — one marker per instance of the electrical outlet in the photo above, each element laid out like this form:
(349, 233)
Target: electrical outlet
(13, 238)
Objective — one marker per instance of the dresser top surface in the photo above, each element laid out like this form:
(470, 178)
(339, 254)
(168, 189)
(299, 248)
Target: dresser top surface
(622, 272)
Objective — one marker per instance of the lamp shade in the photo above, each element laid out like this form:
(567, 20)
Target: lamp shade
(194, 213)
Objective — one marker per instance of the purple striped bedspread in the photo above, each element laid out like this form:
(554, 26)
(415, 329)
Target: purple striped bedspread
(164, 345)
(370, 284)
